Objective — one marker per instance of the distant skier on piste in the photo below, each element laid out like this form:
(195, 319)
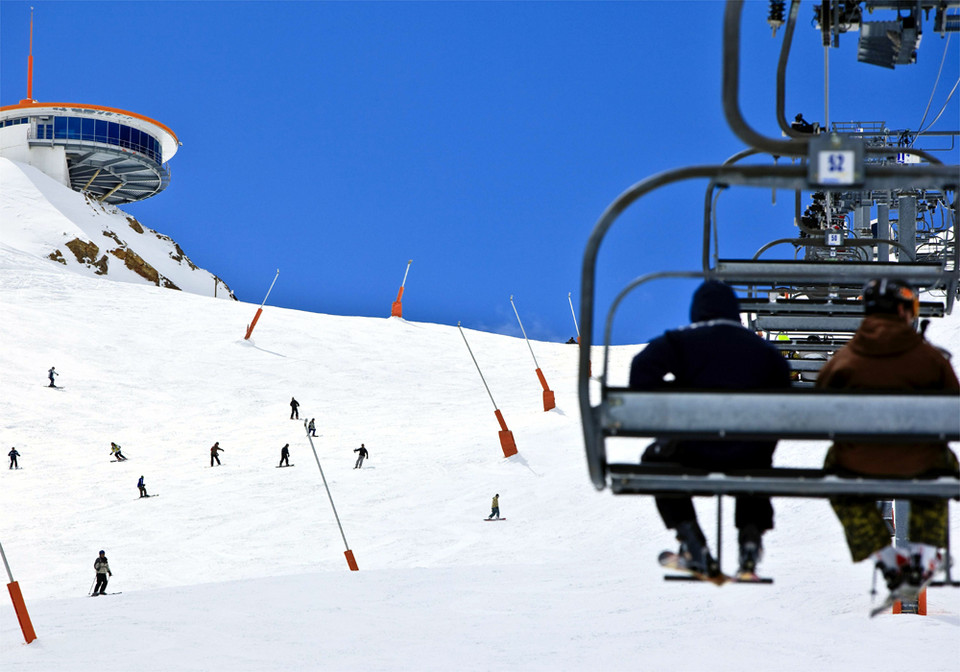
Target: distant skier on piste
(363, 454)
(13, 454)
(115, 452)
(285, 455)
(103, 570)
(495, 507)
(142, 488)
(294, 409)
(312, 427)
(50, 374)
(215, 449)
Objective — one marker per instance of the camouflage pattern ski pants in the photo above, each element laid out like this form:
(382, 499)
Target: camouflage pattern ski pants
(866, 530)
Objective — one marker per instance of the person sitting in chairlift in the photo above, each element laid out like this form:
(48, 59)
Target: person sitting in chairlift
(715, 352)
(887, 353)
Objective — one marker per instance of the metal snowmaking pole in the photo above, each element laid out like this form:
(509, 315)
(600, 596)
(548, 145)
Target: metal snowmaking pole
(549, 399)
(573, 312)
(351, 561)
(397, 309)
(507, 443)
(260, 309)
(18, 604)
(577, 327)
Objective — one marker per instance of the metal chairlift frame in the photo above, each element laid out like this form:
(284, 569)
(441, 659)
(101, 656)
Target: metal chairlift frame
(813, 416)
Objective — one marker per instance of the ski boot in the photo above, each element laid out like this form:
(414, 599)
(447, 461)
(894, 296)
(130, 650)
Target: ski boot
(694, 552)
(925, 561)
(751, 551)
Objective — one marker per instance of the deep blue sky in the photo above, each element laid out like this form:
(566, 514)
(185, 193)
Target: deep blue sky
(335, 141)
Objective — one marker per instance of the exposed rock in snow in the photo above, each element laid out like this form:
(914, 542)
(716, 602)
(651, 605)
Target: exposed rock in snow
(42, 217)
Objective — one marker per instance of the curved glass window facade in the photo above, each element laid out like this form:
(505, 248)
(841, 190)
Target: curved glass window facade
(100, 130)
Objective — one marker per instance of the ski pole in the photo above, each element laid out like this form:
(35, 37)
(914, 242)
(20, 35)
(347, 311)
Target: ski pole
(90, 592)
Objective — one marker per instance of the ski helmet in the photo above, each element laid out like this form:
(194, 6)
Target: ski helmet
(883, 295)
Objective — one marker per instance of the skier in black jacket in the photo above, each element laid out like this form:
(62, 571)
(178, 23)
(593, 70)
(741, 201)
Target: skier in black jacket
(715, 352)
(363, 453)
(13, 454)
(285, 455)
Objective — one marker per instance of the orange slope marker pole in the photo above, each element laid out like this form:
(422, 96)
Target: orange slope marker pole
(351, 561)
(18, 604)
(507, 443)
(577, 327)
(397, 309)
(260, 309)
(549, 399)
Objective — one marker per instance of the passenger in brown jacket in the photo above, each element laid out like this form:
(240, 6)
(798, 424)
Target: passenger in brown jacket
(887, 353)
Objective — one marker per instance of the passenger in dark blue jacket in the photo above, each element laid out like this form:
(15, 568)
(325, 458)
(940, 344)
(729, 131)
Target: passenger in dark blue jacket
(715, 352)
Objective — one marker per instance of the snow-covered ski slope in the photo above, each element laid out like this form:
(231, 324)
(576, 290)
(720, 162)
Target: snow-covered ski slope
(40, 216)
(241, 567)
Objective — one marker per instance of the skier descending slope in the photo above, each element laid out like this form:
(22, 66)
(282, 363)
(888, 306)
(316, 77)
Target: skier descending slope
(715, 352)
(495, 508)
(887, 353)
(115, 452)
(215, 451)
(103, 570)
(363, 454)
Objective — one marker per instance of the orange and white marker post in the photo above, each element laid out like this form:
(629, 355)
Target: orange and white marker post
(351, 561)
(397, 309)
(507, 443)
(577, 327)
(549, 399)
(260, 309)
(18, 604)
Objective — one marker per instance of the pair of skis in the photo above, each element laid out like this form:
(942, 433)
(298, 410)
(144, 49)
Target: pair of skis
(678, 563)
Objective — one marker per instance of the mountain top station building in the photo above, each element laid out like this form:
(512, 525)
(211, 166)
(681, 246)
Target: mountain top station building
(114, 155)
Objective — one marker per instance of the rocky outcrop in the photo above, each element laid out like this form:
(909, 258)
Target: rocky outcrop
(86, 253)
(178, 255)
(135, 263)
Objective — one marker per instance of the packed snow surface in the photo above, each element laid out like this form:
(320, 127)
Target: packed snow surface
(242, 566)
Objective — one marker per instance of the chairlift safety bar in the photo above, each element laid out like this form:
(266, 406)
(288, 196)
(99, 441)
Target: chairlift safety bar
(820, 420)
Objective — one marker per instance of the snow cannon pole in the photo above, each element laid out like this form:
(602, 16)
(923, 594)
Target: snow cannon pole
(351, 561)
(549, 400)
(18, 604)
(507, 443)
(260, 309)
(397, 309)
(577, 327)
